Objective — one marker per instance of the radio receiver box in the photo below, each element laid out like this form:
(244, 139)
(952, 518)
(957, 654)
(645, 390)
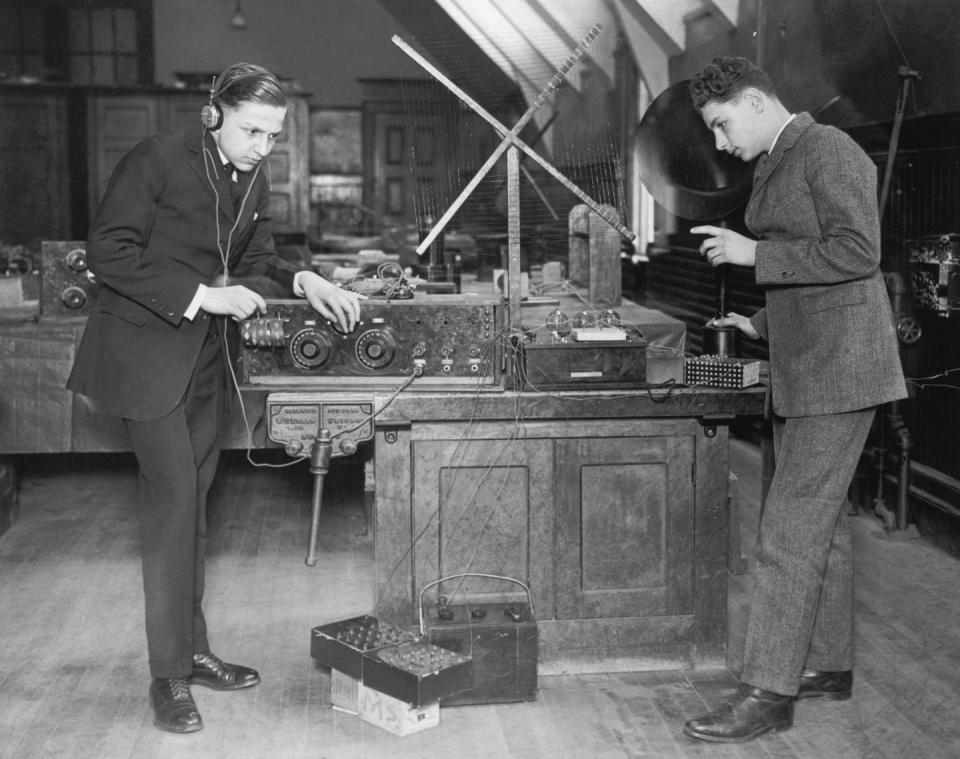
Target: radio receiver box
(443, 339)
(590, 364)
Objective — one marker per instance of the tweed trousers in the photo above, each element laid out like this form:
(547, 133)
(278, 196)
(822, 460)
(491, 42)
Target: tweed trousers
(801, 610)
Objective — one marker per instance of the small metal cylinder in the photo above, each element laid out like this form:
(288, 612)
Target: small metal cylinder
(721, 341)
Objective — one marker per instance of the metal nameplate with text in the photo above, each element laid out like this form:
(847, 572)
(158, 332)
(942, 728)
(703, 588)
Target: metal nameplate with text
(294, 419)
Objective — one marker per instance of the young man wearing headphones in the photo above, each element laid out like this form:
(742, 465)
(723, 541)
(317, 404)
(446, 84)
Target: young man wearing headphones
(182, 217)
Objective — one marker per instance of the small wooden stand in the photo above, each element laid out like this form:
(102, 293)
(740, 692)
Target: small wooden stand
(594, 257)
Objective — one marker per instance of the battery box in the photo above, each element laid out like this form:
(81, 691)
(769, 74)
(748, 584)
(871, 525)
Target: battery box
(388, 659)
(502, 640)
(341, 645)
(721, 371)
(418, 672)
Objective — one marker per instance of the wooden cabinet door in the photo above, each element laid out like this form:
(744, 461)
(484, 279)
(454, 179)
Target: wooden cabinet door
(408, 168)
(625, 508)
(115, 124)
(289, 171)
(34, 171)
(181, 111)
(483, 505)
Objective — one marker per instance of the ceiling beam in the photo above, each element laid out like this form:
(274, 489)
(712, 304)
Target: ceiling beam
(661, 21)
(582, 15)
(468, 18)
(648, 53)
(725, 11)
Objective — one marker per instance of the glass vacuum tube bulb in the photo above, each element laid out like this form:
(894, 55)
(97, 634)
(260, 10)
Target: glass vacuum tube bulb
(609, 318)
(558, 325)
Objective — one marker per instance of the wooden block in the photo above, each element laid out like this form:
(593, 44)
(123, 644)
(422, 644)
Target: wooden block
(605, 276)
(594, 255)
(578, 263)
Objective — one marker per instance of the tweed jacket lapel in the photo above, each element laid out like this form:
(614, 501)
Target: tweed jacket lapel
(768, 163)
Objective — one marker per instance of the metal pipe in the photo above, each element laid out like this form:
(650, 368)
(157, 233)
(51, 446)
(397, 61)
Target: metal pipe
(319, 466)
(894, 518)
(904, 444)
(880, 507)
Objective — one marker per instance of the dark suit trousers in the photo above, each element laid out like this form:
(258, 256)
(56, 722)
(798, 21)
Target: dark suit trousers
(177, 455)
(801, 609)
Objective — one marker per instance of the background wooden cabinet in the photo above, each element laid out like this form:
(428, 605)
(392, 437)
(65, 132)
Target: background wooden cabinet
(115, 123)
(35, 192)
(58, 146)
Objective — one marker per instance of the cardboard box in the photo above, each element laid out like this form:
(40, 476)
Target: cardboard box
(344, 692)
(393, 715)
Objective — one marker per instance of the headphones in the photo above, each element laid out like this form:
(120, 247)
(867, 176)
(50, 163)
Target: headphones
(239, 82)
(211, 115)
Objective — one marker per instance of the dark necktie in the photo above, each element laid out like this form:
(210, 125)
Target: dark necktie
(236, 191)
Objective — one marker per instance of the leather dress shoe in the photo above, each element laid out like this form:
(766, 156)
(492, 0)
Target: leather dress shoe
(834, 686)
(750, 713)
(173, 707)
(211, 671)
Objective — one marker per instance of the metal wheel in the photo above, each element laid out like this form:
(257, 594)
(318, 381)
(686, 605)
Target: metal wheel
(909, 330)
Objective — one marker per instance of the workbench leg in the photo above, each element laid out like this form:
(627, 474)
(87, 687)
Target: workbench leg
(369, 494)
(9, 493)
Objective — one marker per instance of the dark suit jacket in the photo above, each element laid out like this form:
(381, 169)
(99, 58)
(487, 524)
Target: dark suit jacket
(165, 225)
(827, 318)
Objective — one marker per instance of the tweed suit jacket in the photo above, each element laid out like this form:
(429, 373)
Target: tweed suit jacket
(827, 318)
(166, 224)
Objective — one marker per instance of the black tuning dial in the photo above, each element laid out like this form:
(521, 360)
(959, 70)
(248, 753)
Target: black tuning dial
(310, 349)
(73, 297)
(375, 348)
(77, 260)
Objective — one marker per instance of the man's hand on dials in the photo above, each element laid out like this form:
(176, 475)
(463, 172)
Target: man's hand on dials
(340, 306)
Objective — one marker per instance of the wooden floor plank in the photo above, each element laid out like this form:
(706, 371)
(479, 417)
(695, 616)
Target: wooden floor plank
(73, 679)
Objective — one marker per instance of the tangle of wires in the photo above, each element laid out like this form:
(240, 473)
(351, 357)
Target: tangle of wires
(391, 282)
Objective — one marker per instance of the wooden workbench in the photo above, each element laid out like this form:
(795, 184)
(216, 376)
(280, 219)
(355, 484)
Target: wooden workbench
(611, 505)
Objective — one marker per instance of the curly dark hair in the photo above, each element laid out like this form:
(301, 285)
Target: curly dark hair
(724, 78)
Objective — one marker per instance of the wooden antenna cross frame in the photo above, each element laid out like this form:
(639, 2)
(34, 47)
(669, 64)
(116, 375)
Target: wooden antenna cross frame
(511, 144)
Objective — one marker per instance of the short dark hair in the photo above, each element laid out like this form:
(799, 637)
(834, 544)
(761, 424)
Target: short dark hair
(724, 78)
(248, 83)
